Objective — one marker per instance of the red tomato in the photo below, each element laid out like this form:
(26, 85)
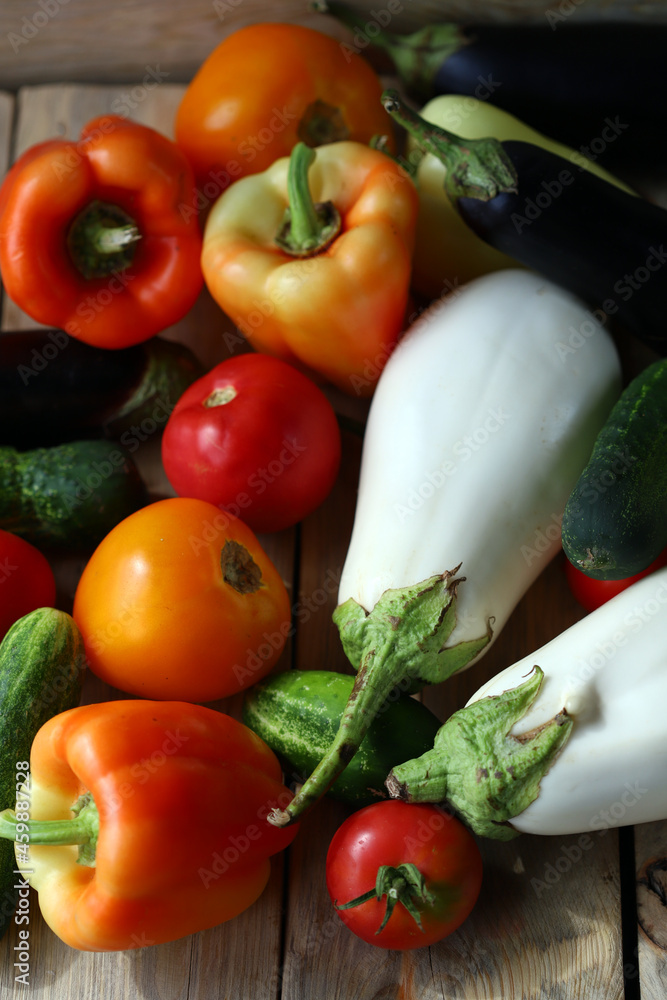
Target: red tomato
(256, 437)
(592, 593)
(397, 833)
(27, 580)
(180, 602)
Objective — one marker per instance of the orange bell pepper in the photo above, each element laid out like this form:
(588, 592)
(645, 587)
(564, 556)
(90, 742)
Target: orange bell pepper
(95, 238)
(312, 259)
(170, 803)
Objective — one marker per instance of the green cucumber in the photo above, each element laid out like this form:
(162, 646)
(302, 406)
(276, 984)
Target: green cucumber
(615, 520)
(42, 665)
(69, 495)
(297, 714)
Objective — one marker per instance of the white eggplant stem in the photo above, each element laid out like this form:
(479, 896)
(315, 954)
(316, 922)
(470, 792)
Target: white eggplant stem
(607, 676)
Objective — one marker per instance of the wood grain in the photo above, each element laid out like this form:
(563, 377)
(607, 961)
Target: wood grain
(651, 862)
(90, 41)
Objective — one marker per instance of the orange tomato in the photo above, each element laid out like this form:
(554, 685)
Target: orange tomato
(179, 601)
(264, 88)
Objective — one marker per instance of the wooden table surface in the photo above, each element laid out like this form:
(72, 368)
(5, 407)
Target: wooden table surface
(553, 921)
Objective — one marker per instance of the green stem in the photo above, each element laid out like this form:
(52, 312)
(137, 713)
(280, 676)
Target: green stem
(476, 168)
(307, 228)
(401, 644)
(102, 240)
(375, 681)
(417, 57)
(487, 775)
(82, 830)
(404, 884)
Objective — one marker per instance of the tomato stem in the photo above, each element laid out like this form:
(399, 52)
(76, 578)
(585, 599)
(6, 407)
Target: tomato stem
(307, 228)
(404, 884)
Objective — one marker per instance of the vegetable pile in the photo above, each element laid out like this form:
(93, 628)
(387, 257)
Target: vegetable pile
(481, 286)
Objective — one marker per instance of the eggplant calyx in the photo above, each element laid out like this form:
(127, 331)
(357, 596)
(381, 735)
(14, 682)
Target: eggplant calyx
(400, 645)
(417, 56)
(479, 768)
(476, 168)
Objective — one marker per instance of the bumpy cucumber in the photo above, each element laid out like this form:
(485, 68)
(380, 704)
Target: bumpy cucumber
(615, 521)
(68, 495)
(42, 664)
(298, 712)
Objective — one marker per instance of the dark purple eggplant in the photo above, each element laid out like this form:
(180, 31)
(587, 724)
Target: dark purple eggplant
(583, 233)
(563, 77)
(55, 389)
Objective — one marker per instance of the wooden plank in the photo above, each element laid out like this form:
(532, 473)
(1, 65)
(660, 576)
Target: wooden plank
(651, 863)
(86, 40)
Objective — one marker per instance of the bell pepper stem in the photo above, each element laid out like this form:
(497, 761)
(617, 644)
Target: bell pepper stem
(476, 168)
(417, 56)
(83, 829)
(307, 228)
(102, 239)
(401, 644)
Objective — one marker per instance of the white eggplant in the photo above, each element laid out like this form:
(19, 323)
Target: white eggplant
(479, 427)
(481, 423)
(569, 739)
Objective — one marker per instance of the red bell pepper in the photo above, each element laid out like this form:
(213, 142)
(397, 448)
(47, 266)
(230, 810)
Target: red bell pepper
(94, 235)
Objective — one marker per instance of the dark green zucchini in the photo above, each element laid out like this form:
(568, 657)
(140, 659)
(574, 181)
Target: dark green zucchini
(297, 714)
(70, 495)
(615, 520)
(42, 664)
(54, 388)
